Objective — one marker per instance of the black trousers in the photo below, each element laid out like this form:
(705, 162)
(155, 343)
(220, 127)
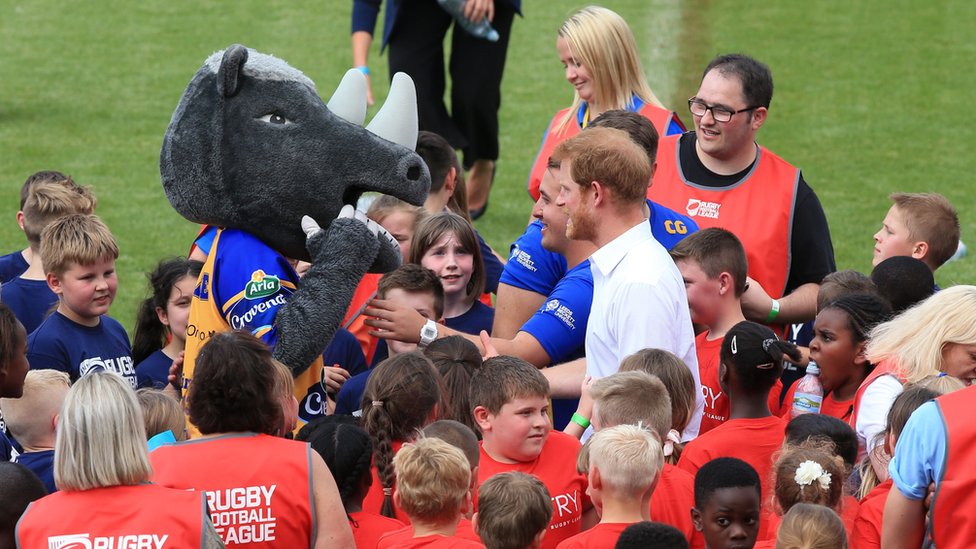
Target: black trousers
(416, 47)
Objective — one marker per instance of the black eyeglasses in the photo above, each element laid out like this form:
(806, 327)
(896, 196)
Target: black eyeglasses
(720, 114)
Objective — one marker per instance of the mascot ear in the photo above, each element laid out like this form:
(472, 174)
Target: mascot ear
(228, 77)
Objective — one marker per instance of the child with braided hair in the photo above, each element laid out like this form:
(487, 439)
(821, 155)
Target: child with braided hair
(401, 397)
(810, 472)
(751, 362)
(348, 452)
(840, 334)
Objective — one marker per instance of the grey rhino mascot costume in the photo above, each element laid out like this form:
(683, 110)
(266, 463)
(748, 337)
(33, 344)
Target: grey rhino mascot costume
(254, 151)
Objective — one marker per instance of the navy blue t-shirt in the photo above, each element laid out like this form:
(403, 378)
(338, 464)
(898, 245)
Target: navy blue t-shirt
(350, 397)
(60, 344)
(479, 317)
(12, 265)
(7, 449)
(345, 351)
(153, 371)
(41, 464)
(30, 300)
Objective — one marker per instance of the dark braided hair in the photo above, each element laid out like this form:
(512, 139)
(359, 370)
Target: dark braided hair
(756, 355)
(864, 312)
(399, 399)
(347, 450)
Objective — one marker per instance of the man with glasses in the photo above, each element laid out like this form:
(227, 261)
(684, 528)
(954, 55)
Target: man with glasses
(721, 177)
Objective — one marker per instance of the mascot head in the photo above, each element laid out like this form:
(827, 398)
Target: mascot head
(252, 146)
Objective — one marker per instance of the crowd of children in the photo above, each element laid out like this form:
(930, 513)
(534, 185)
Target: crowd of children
(429, 437)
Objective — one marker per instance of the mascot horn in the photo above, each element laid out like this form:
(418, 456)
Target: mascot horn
(254, 152)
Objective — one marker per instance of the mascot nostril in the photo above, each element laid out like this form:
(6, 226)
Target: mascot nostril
(224, 163)
(413, 173)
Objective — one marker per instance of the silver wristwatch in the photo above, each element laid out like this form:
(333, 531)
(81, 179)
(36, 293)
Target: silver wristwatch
(428, 334)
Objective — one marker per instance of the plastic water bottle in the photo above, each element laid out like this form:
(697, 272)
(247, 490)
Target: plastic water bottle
(809, 393)
(479, 29)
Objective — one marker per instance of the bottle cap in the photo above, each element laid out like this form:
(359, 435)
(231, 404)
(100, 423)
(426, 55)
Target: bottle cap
(812, 368)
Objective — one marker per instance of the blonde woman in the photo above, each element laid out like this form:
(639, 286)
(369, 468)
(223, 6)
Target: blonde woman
(599, 53)
(937, 335)
(101, 467)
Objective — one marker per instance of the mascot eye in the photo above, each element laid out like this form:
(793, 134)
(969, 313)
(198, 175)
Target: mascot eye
(275, 118)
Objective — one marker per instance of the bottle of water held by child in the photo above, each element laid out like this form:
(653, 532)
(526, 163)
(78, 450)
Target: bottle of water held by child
(809, 393)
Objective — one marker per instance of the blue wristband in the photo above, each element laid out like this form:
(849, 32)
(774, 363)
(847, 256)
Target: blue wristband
(363, 69)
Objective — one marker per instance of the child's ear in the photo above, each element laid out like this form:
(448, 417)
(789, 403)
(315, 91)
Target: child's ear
(696, 519)
(474, 478)
(726, 283)
(162, 316)
(483, 418)
(20, 219)
(723, 374)
(474, 523)
(54, 283)
(920, 250)
(450, 181)
(861, 354)
(889, 443)
(596, 479)
(396, 498)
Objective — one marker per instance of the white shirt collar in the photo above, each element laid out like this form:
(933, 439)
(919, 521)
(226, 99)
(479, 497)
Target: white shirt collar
(606, 259)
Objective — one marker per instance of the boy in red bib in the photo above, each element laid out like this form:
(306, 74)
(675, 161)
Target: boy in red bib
(434, 489)
(510, 401)
(623, 465)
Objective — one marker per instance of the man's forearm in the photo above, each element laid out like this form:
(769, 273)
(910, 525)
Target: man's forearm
(566, 379)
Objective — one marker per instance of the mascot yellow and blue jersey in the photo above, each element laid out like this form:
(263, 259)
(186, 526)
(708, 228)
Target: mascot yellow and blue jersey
(242, 285)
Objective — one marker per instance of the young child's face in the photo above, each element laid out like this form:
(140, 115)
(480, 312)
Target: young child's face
(86, 291)
(176, 315)
(703, 292)
(729, 519)
(452, 263)
(833, 348)
(959, 361)
(400, 225)
(422, 302)
(15, 370)
(892, 239)
(518, 431)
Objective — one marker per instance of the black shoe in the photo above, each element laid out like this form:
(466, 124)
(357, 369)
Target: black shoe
(478, 212)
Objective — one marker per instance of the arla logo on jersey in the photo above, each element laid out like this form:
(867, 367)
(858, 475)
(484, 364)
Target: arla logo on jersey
(702, 208)
(86, 541)
(261, 285)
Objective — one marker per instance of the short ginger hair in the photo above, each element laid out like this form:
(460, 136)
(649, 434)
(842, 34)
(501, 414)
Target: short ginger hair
(608, 156)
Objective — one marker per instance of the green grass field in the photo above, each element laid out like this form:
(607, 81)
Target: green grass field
(870, 99)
